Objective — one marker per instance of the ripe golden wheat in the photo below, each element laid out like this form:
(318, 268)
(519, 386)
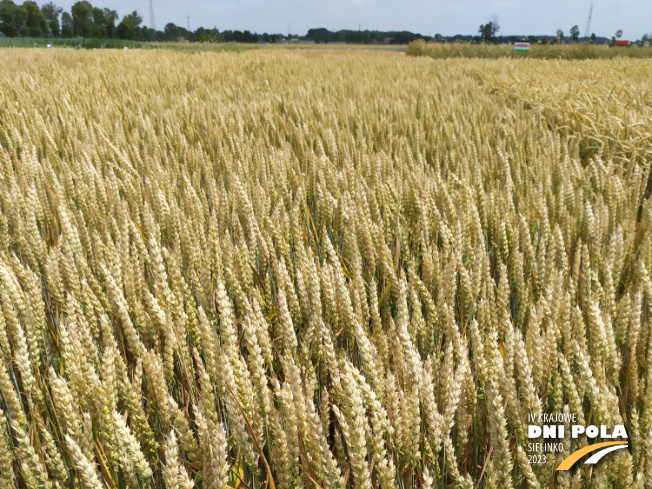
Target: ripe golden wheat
(296, 269)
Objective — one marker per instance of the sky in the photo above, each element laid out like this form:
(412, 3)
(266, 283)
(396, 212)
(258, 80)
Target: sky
(426, 17)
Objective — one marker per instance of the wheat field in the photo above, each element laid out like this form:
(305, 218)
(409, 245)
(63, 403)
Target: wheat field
(573, 51)
(302, 269)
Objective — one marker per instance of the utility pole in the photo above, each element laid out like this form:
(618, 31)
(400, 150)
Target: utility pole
(188, 18)
(587, 31)
(152, 22)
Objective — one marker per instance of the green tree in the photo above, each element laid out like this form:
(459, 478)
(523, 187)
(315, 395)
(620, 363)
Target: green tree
(617, 35)
(20, 19)
(560, 36)
(592, 38)
(110, 17)
(51, 13)
(575, 33)
(171, 32)
(488, 31)
(82, 19)
(66, 25)
(35, 23)
(9, 19)
(129, 28)
(148, 34)
(99, 27)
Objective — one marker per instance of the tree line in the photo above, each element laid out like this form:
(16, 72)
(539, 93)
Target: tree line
(362, 37)
(487, 34)
(50, 20)
(88, 21)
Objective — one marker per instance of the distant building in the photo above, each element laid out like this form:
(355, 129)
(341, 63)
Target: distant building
(298, 41)
(623, 43)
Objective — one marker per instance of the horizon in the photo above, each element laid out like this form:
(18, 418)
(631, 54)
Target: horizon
(418, 16)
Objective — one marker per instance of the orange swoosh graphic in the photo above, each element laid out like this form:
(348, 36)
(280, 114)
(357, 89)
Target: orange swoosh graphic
(575, 456)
